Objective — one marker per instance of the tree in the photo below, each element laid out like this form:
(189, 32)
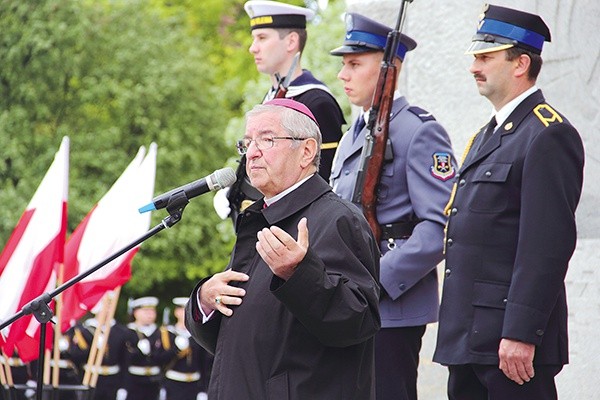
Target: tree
(112, 76)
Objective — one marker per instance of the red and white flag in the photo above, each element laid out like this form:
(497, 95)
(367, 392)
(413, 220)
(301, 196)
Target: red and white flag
(32, 253)
(111, 225)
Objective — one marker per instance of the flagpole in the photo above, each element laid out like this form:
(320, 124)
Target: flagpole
(5, 372)
(57, 333)
(113, 298)
(39, 306)
(101, 318)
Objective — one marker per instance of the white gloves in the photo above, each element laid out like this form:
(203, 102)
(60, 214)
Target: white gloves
(30, 393)
(202, 396)
(121, 394)
(144, 346)
(221, 203)
(100, 341)
(182, 342)
(63, 344)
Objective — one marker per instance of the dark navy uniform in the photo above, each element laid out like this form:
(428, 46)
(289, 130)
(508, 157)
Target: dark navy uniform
(148, 351)
(510, 235)
(415, 185)
(113, 367)
(187, 374)
(20, 372)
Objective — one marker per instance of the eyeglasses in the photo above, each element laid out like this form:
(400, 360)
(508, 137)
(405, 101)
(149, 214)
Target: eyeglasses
(264, 142)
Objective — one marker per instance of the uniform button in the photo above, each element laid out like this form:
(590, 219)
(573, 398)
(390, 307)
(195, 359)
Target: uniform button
(504, 301)
(462, 182)
(346, 172)
(454, 211)
(449, 242)
(539, 332)
(402, 286)
(447, 272)
(488, 173)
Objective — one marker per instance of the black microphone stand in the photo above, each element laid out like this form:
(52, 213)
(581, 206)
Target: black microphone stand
(39, 306)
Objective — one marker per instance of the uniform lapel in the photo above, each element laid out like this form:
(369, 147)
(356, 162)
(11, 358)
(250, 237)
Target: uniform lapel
(508, 127)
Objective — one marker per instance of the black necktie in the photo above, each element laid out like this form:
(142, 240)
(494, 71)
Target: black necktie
(489, 130)
(358, 126)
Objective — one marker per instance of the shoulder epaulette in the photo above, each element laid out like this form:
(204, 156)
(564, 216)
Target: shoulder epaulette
(547, 115)
(422, 114)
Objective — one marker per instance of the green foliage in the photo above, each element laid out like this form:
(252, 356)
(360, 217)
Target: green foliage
(114, 75)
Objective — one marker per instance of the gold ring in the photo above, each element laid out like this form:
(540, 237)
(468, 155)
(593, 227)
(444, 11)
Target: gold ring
(218, 299)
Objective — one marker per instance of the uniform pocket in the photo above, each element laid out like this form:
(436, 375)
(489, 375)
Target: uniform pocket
(489, 304)
(490, 188)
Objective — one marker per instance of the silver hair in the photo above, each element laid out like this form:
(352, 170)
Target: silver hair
(294, 123)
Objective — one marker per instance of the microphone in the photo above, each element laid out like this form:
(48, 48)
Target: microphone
(219, 179)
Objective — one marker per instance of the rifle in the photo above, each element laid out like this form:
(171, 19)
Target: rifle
(376, 140)
(283, 84)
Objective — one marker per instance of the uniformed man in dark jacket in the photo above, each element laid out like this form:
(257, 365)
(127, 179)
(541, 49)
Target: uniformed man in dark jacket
(148, 351)
(114, 362)
(511, 228)
(186, 375)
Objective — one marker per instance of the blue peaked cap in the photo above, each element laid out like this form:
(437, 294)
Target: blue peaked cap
(365, 35)
(501, 28)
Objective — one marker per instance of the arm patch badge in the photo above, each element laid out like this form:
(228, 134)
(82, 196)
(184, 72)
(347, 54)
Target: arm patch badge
(443, 167)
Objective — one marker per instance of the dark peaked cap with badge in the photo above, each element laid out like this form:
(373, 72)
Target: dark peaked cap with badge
(273, 14)
(364, 35)
(501, 28)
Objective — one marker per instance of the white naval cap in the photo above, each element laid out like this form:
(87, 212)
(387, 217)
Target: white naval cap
(273, 14)
(180, 301)
(148, 301)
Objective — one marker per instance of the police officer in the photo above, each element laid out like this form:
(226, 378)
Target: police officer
(148, 351)
(414, 187)
(114, 361)
(187, 374)
(511, 228)
(278, 34)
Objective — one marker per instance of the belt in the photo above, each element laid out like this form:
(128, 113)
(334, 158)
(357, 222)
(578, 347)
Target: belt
(65, 364)
(104, 370)
(182, 376)
(144, 371)
(398, 230)
(13, 361)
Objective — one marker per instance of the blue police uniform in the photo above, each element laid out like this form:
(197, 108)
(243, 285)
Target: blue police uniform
(415, 186)
(510, 235)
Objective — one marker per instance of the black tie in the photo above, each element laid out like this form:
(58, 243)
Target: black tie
(358, 126)
(489, 130)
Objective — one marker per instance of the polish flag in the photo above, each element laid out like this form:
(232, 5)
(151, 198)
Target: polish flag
(111, 225)
(32, 254)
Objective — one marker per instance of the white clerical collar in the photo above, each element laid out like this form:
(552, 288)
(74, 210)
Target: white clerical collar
(509, 107)
(275, 198)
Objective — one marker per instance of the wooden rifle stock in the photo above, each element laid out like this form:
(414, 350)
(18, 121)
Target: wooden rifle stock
(374, 148)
